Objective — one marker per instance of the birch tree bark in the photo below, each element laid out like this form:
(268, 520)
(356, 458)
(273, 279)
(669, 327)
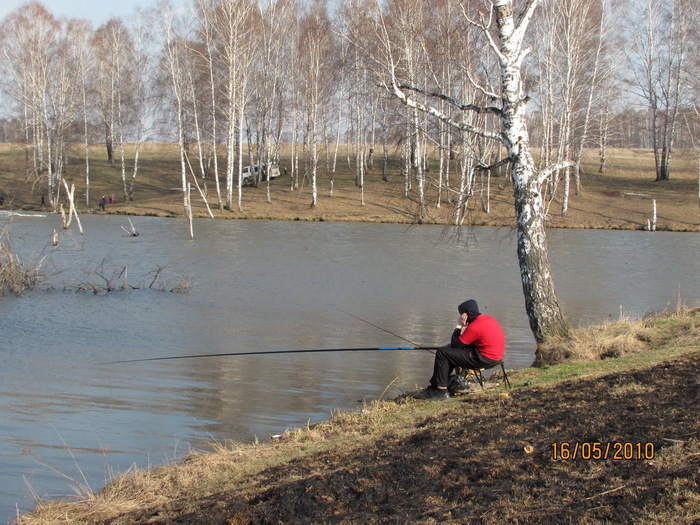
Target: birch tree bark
(544, 313)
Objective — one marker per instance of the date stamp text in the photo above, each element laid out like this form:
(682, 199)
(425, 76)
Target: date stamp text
(593, 450)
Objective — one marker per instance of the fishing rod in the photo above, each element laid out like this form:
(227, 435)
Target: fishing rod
(274, 352)
(414, 346)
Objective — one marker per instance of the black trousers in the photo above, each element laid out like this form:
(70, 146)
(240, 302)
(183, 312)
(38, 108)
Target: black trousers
(447, 358)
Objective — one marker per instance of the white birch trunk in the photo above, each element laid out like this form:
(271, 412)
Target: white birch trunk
(335, 148)
(465, 190)
(209, 39)
(407, 160)
(541, 303)
(418, 163)
(188, 209)
(313, 124)
(239, 142)
(86, 128)
(603, 136)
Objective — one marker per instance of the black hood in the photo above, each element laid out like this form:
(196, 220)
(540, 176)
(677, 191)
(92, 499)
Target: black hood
(470, 308)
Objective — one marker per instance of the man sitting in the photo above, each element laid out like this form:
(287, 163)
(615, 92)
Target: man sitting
(477, 342)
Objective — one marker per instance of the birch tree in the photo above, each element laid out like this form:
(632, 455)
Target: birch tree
(406, 28)
(609, 91)
(659, 45)
(41, 65)
(270, 70)
(109, 42)
(172, 43)
(144, 100)
(62, 106)
(207, 34)
(359, 102)
(85, 64)
(505, 30)
(447, 30)
(235, 37)
(122, 91)
(570, 38)
(316, 60)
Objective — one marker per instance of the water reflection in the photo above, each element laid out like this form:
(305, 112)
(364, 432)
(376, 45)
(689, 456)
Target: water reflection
(265, 286)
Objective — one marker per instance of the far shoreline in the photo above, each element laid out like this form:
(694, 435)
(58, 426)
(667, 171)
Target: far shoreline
(625, 197)
(556, 223)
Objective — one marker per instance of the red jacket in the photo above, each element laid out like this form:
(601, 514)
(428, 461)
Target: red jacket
(487, 335)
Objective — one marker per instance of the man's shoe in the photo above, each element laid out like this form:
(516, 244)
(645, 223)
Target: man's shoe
(426, 393)
(439, 395)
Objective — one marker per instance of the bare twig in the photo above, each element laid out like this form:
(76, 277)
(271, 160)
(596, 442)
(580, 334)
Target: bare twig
(132, 232)
(604, 493)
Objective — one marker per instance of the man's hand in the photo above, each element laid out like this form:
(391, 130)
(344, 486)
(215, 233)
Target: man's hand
(462, 322)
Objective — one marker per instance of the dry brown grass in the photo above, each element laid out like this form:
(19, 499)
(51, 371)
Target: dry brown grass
(614, 339)
(606, 201)
(621, 338)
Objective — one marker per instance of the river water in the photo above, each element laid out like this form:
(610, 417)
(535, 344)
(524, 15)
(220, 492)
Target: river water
(70, 418)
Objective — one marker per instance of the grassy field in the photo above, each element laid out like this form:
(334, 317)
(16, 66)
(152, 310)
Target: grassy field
(619, 199)
(585, 441)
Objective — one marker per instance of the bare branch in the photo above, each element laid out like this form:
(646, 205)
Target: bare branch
(464, 107)
(480, 88)
(463, 126)
(496, 165)
(484, 26)
(524, 21)
(132, 232)
(548, 170)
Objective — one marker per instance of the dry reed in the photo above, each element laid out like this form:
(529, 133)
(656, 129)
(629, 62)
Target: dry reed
(16, 275)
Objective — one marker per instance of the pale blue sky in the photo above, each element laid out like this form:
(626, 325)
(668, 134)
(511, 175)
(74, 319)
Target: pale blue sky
(97, 11)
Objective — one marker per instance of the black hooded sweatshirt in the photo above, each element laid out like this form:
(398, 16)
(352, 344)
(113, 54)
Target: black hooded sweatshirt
(472, 310)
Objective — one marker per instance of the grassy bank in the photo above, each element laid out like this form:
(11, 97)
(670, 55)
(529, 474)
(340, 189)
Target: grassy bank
(491, 456)
(620, 198)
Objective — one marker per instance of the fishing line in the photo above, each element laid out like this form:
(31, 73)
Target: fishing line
(387, 331)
